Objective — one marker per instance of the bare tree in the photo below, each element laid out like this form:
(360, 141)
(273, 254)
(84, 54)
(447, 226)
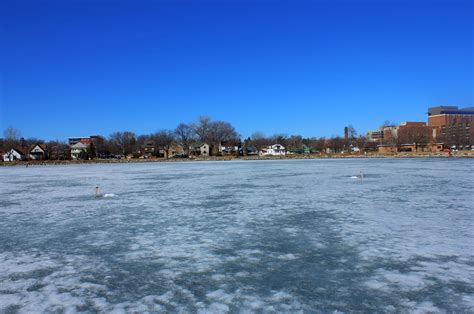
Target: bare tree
(221, 131)
(295, 143)
(184, 136)
(11, 134)
(214, 133)
(164, 139)
(416, 135)
(101, 146)
(391, 136)
(360, 142)
(387, 124)
(202, 128)
(280, 139)
(319, 144)
(336, 143)
(258, 140)
(12, 138)
(123, 142)
(142, 140)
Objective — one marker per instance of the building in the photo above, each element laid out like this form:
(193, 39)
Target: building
(205, 150)
(430, 147)
(39, 152)
(304, 149)
(79, 151)
(149, 149)
(84, 140)
(228, 148)
(175, 150)
(455, 126)
(273, 150)
(200, 149)
(74, 140)
(375, 136)
(15, 154)
(417, 133)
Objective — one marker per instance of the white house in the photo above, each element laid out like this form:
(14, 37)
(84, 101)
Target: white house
(14, 154)
(228, 149)
(205, 150)
(38, 152)
(273, 150)
(78, 149)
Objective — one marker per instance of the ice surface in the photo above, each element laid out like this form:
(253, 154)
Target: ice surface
(251, 236)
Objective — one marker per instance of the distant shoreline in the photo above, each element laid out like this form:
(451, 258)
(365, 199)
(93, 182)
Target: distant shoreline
(229, 158)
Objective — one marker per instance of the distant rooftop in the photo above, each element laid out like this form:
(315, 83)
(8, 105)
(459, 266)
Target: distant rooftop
(411, 123)
(450, 110)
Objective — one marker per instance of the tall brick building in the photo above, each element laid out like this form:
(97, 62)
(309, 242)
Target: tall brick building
(455, 126)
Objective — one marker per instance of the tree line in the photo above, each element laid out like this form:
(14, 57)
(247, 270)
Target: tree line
(187, 135)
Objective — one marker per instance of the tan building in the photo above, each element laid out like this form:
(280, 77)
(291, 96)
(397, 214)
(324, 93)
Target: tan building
(431, 147)
(174, 150)
(455, 126)
(375, 136)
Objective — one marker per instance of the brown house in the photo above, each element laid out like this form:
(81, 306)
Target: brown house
(38, 151)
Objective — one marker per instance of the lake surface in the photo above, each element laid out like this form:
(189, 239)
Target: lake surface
(251, 236)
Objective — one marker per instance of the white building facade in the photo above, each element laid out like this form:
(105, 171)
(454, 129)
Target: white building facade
(78, 150)
(273, 150)
(205, 150)
(13, 155)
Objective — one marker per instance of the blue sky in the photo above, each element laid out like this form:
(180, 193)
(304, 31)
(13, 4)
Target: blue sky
(71, 68)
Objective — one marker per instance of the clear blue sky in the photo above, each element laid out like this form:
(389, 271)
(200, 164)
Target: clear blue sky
(71, 68)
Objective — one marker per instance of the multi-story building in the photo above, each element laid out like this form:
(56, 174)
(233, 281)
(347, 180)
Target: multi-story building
(83, 140)
(75, 140)
(375, 136)
(455, 126)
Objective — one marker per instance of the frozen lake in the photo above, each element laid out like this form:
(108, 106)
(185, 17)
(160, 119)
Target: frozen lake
(264, 236)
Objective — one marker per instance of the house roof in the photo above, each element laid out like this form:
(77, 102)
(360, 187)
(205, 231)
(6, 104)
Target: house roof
(79, 145)
(42, 146)
(277, 145)
(20, 150)
(198, 145)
